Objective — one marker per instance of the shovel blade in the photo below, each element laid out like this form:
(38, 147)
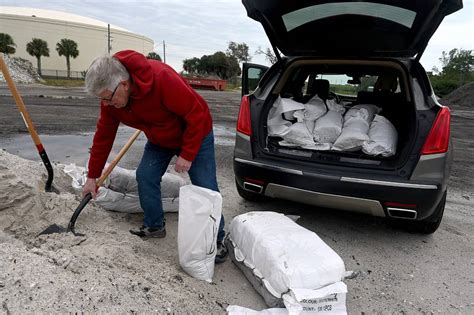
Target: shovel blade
(54, 228)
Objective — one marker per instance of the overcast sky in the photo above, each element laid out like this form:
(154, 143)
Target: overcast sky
(200, 27)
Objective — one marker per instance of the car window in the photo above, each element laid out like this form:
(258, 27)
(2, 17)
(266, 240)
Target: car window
(254, 76)
(309, 14)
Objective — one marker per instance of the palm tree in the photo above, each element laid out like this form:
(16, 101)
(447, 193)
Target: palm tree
(7, 45)
(38, 47)
(68, 48)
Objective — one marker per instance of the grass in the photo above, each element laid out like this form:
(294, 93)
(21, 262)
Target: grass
(64, 82)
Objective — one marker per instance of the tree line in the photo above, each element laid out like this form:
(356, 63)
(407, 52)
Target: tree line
(39, 48)
(457, 70)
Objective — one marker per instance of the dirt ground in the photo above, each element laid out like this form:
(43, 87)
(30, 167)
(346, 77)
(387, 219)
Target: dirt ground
(109, 270)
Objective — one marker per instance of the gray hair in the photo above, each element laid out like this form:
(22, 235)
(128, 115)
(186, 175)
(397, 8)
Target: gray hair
(105, 72)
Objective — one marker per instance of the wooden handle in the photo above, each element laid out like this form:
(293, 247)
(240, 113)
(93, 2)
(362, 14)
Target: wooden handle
(19, 103)
(117, 158)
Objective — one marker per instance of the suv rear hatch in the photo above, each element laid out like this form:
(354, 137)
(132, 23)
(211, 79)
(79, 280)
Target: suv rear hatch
(350, 28)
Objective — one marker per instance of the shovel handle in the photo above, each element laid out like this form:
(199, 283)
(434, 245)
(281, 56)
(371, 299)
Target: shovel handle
(119, 156)
(28, 123)
(104, 176)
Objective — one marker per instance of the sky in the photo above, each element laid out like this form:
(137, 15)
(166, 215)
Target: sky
(201, 27)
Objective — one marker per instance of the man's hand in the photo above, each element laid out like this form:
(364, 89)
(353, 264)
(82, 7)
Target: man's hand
(90, 187)
(182, 165)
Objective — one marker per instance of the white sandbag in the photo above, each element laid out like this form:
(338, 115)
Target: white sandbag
(199, 217)
(277, 126)
(354, 133)
(314, 108)
(328, 128)
(330, 299)
(282, 254)
(299, 134)
(333, 105)
(239, 310)
(383, 138)
(365, 111)
(120, 190)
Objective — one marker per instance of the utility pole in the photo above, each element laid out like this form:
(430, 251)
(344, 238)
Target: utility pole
(108, 39)
(164, 52)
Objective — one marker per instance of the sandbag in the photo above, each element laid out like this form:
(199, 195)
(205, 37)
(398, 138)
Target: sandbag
(277, 125)
(328, 128)
(333, 105)
(299, 134)
(354, 132)
(314, 108)
(364, 111)
(200, 212)
(120, 190)
(281, 255)
(383, 138)
(330, 299)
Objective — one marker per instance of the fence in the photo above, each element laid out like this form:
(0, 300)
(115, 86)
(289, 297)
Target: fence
(60, 74)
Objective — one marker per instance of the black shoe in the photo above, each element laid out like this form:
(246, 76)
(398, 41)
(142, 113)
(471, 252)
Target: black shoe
(147, 232)
(221, 254)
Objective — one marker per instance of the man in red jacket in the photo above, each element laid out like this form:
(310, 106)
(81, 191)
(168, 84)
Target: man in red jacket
(149, 95)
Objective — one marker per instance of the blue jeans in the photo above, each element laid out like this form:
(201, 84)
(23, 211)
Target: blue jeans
(153, 166)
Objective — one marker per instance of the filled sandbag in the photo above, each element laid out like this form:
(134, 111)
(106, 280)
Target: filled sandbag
(383, 138)
(354, 134)
(277, 125)
(299, 134)
(328, 128)
(276, 255)
(364, 111)
(314, 108)
(333, 105)
(200, 212)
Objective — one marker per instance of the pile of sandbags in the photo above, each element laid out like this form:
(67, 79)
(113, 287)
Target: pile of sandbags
(319, 125)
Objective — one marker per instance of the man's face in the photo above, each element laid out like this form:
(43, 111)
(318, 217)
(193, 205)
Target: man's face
(117, 98)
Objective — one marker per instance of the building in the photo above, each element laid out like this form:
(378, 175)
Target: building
(91, 36)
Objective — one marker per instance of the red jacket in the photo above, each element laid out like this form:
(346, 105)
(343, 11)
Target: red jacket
(169, 112)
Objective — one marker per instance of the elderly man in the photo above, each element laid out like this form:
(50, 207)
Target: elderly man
(149, 95)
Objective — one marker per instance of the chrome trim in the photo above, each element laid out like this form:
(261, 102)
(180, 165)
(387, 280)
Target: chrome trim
(258, 190)
(368, 206)
(242, 135)
(402, 210)
(386, 183)
(427, 157)
(271, 167)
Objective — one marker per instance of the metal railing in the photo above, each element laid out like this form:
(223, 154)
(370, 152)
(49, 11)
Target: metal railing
(61, 74)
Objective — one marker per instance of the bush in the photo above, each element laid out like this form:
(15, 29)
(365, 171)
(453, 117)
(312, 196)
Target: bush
(444, 87)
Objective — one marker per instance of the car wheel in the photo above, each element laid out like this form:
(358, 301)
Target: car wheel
(430, 224)
(248, 195)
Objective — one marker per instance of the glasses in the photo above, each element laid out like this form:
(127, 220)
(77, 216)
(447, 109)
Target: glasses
(111, 96)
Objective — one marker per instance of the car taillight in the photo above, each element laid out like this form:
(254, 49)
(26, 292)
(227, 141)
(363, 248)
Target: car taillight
(244, 124)
(438, 138)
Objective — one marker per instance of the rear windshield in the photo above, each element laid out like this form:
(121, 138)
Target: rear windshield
(309, 14)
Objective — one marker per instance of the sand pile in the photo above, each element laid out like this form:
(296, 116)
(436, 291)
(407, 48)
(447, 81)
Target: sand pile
(461, 97)
(107, 270)
(21, 70)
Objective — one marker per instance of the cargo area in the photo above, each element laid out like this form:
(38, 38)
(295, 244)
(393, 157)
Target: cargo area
(298, 126)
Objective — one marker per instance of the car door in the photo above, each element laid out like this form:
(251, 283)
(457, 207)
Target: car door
(251, 76)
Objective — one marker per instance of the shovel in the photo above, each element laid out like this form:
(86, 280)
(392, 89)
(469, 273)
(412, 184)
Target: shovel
(71, 227)
(29, 125)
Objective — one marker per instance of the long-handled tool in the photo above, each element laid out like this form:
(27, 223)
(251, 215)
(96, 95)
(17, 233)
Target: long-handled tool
(71, 227)
(29, 124)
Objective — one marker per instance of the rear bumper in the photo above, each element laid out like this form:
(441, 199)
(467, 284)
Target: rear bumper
(339, 192)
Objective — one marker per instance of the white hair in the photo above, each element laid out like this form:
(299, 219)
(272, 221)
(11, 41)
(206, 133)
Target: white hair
(105, 72)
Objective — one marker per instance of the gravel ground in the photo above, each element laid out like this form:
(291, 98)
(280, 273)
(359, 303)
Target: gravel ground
(109, 270)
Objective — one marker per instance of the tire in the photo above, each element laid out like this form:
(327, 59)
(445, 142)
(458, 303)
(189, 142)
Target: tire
(248, 195)
(430, 224)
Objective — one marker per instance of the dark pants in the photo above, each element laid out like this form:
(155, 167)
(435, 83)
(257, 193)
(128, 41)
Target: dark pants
(153, 165)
